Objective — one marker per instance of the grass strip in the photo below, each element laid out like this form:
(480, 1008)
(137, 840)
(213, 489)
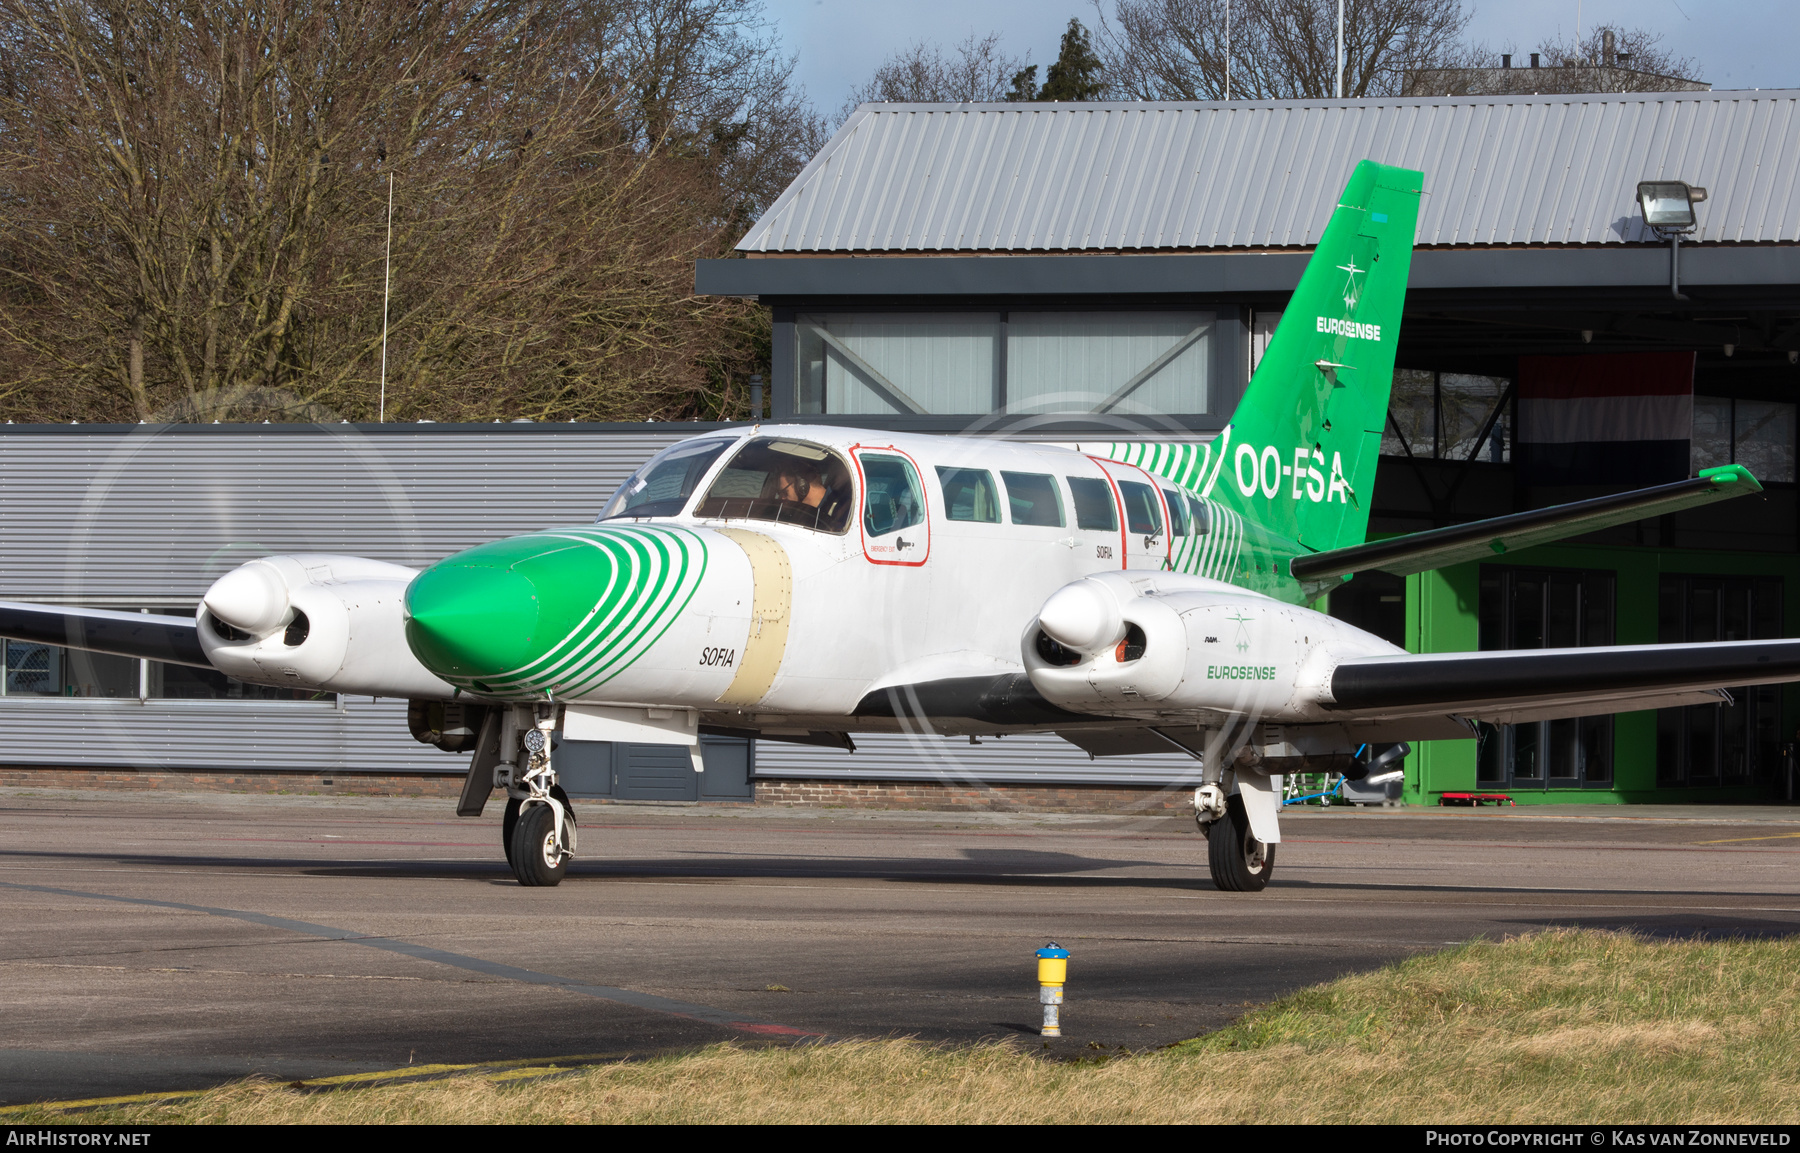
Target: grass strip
(1564, 1026)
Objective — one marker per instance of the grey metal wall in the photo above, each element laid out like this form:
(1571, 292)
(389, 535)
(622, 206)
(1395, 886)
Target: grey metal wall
(162, 511)
(356, 735)
(148, 515)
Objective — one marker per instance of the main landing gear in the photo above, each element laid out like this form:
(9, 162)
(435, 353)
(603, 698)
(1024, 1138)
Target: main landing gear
(1239, 862)
(539, 827)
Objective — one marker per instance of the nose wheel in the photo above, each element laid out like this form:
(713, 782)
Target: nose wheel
(539, 856)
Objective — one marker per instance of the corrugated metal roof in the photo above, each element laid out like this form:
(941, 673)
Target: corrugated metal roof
(1499, 170)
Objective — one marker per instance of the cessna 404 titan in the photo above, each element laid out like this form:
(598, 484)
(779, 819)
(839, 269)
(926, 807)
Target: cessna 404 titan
(807, 583)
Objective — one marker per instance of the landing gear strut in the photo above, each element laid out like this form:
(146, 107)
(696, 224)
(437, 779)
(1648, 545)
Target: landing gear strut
(539, 827)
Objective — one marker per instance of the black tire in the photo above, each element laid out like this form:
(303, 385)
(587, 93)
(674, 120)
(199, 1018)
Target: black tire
(507, 823)
(1240, 863)
(511, 819)
(532, 838)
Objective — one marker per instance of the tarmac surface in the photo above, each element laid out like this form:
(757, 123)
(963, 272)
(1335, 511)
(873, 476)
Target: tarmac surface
(172, 941)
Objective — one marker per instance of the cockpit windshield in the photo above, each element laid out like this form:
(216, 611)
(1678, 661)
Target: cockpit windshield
(790, 481)
(662, 487)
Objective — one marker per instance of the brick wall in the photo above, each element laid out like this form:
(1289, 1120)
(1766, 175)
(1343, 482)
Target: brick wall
(345, 784)
(830, 794)
(930, 795)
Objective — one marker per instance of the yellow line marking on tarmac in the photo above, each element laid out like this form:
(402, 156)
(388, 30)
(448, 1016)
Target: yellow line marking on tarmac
(1735, 840)
(512, 1070)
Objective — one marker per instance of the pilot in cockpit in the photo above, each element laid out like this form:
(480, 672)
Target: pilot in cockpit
(799, 481)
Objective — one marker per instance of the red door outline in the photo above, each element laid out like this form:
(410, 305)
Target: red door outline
(856, 451)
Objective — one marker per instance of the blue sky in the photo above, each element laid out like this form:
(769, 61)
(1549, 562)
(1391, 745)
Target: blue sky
(1738, 43)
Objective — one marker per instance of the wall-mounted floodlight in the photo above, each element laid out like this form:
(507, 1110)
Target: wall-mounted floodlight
(1668, 207)
(1669, 204)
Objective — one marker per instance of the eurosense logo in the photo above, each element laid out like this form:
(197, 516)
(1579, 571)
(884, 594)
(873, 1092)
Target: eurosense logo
(1355, 329)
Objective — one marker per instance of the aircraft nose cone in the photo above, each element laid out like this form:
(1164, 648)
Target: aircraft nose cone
(469, 620)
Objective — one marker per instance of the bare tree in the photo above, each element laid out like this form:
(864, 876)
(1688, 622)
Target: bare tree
(975, 71)
(1279, 49)
(196, 205)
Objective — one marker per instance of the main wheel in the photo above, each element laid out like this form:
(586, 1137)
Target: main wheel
(535, 858)
(1240, 863)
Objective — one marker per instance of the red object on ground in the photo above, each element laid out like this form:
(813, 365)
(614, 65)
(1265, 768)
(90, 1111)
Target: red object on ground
(1474, 799)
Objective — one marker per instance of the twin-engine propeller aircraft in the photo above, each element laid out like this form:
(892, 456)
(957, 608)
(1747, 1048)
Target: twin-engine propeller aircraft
(808, 583)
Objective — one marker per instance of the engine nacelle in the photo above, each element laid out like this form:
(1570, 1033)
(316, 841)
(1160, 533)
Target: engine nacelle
(314, 620)
(1158, 644)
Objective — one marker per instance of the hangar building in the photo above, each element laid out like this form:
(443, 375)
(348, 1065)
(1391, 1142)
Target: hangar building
(1063, 272)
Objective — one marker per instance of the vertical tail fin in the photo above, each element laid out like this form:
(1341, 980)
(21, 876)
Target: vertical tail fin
(1300, 452)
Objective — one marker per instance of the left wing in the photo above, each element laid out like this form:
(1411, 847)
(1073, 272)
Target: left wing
(1519, 685)
(147, 636)
(1484, 539)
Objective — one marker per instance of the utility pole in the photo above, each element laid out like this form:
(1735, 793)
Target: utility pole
(1228, 49)
(1340, 51)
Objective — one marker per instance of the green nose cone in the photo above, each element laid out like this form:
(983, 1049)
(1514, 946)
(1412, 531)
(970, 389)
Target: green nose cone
(471, 620)
(491, 611)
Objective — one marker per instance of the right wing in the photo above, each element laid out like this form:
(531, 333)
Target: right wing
(1484, 539)
(147, 636)
(1518, 685)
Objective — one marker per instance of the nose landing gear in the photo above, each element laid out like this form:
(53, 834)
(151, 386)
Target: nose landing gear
(539, 827)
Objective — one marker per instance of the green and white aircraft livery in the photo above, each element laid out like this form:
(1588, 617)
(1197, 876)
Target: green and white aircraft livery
(808, 583)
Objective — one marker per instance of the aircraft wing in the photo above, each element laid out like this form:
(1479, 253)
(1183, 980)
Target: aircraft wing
(1484, 539)
(172, 640)
(1519, 685)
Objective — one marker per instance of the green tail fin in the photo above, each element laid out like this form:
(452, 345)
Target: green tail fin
(1299, 455)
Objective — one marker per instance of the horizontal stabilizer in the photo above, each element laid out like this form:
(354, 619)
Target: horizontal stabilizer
(1544, 683)
(1485, 539)
(147, 636)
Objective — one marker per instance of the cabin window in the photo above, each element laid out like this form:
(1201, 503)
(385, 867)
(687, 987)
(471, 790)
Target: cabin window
(893, 497)
(1200, 517)
(1143, 512)
(1178, 521)
(1093, 504)
(663, 486)
(788, 481)
(969, 494)
(1033, 499)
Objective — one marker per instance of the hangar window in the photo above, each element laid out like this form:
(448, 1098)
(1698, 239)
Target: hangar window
(1735, 743)
(1449, 416)
(972, 363)
(789, 481)
(1546, 609)
(37, 671)
(1758, 434)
